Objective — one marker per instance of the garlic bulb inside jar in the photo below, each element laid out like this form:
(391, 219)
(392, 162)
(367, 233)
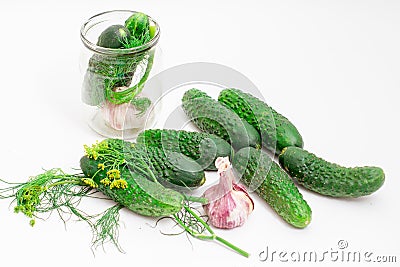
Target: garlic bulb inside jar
(128, 115)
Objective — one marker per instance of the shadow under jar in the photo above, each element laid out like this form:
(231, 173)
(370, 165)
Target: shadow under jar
(120, 54)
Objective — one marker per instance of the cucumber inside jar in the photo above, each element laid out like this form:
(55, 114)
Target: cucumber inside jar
(114, 36)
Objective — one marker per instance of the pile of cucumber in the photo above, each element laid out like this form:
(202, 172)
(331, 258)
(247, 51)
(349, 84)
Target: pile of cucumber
(246, 129)
(152, 176)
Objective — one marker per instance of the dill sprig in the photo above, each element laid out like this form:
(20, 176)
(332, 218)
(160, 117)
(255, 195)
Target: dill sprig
(46, 192)
(106, 228)
(119, 97)
(193, 224)
(115, 153)
(55, 190)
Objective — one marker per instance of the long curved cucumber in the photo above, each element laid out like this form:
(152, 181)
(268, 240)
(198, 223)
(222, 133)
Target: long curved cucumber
(276, 131)
(261, 174)
(328, 178)
(212, 117)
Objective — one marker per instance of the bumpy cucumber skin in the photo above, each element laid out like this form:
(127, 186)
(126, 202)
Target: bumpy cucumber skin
(141, 195)
(258, 171)
(138, 24)
(212, 117)
(327, 178)
(204, 148)
(277, 132)
(172, 169)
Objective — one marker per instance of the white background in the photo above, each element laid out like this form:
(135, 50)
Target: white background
(331, 67)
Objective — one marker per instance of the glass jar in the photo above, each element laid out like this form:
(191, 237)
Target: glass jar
(115, 104)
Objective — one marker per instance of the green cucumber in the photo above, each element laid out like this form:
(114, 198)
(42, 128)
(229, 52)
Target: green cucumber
(172, 169)
(327, 178)
(204, 148)
(276, 131)
(138, 24)
(141, 195)
(115, 36)
(212, 117)
(261, 174)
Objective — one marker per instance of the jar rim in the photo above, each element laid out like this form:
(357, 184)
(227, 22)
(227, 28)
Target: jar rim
(117, 51)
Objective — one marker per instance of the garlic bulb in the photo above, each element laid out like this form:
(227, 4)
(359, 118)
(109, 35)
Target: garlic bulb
(229, 204)
(127, 115)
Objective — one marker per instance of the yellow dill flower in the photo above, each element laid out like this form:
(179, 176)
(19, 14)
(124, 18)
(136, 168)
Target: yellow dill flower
(87, 149)
(101, 166)
(91, 152)
(110, 174)
(89, 182)
(105, 181)
(114, 174)
(102, 145)
(114, 184)
(119, 183)
(96, 149)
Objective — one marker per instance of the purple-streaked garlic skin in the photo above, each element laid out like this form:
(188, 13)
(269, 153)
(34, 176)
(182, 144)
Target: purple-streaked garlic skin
(122, 116)
(229, 203)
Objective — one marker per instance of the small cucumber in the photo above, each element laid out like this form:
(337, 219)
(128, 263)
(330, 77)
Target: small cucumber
(204, 148)
(212, 117)
(138, 24)
(258, 172)
(114, 37)
(141, 195)
(277, 132)
(327, 178)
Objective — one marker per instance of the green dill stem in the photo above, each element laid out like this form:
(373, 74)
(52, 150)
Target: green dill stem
(212, 235)
(201, 200)
(190, 231)
(232, 246)
(145, 171)
(77, 182)
(148, 171)
(128, 94)
(120, 159)
(199, 219)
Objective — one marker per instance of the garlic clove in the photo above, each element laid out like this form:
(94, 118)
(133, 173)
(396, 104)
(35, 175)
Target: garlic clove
(229, 203)
(124, 116)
